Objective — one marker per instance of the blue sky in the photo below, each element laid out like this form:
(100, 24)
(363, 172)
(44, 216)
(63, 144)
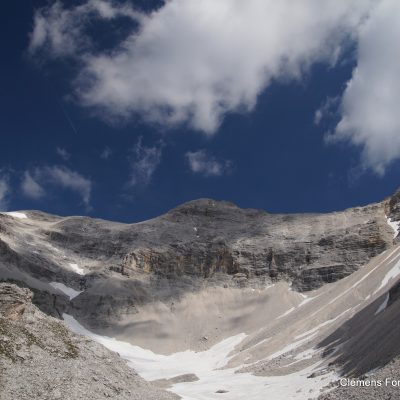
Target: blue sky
(122, 110)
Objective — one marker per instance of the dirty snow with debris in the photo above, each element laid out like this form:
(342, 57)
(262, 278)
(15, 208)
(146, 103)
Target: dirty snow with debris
(383, 306)
(395, 225)
(77, 269)
(207, 366)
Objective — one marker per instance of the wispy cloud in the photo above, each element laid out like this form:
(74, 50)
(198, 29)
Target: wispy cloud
(106, 153)
(30, 187)
(4, 192)
(144, 162)
(36, 182)
(61, 30)
(328, 110)
(63, 153)
(200, 162)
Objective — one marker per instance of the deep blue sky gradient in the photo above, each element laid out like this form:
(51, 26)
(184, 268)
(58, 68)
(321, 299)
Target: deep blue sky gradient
(280, 162)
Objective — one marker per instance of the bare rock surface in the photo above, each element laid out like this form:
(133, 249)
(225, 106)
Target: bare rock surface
(41, 359)
(204, 243)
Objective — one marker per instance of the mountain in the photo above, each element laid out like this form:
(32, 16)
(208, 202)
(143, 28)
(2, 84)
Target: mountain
(289, 301)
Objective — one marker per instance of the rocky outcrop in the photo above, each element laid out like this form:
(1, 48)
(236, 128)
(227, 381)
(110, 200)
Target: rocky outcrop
(41, 359)
(13, 301)
(392, 209)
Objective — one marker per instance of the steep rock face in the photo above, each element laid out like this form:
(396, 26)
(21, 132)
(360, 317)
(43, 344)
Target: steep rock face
(41, 359)
(204, 238)
(204, 242)
(392, 210)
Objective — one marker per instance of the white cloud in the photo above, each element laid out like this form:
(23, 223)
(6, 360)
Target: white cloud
(62, 30)
(35, 181)
(328, 110)
(369, 108)
(200, 162)
(193, 61)
(30, 187)
(4, 192)
(63, 153)
(144, 162)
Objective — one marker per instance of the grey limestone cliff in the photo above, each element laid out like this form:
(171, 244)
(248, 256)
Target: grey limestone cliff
(204, 242)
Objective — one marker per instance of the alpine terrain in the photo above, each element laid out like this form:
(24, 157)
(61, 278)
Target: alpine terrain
(208, 301)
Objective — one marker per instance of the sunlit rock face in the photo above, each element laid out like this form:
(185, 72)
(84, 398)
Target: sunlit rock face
(203, 242)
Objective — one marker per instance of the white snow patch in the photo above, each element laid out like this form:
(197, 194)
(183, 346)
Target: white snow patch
(51, 247)
(156, 366)
(392, 274)
(395, 225)
(323, 324)
(16, 214)
(76, 268)
(206, 365)
(306, 355)
(291, 346)
(286, 313)
(195, 229)
(71, 293)
(258, 344)
(269, 286)
(241, 386)
(383, 306)
(307, 300)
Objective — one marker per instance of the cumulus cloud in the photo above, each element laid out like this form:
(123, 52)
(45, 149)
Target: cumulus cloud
(193, 61)
(4, 192)
(144, 162)
(34, 182)
(200, 162)
(370, 104)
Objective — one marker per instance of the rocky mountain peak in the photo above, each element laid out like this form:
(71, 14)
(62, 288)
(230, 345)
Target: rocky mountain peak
(393, 206)
(205, 207)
